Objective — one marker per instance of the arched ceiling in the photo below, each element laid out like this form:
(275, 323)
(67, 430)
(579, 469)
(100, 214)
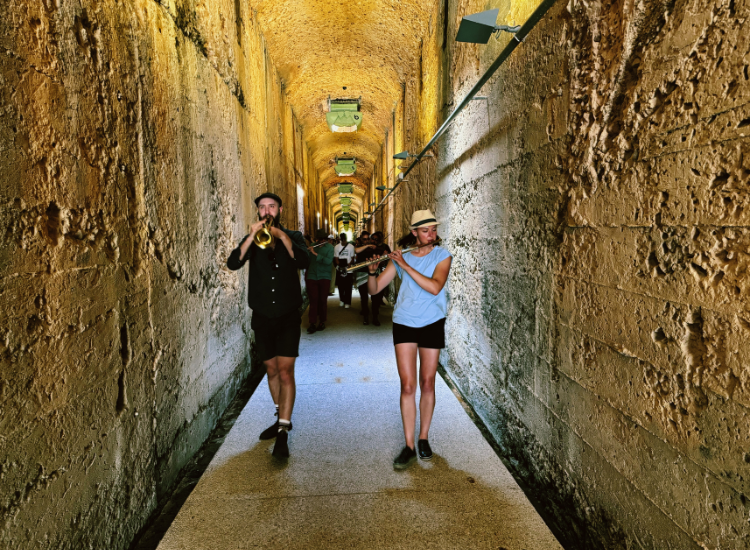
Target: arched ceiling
(321, 46)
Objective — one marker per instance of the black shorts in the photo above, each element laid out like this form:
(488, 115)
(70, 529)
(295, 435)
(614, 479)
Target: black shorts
(277, 337)
(431, 336)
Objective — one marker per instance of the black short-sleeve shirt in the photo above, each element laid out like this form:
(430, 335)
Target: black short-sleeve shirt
(273, 286)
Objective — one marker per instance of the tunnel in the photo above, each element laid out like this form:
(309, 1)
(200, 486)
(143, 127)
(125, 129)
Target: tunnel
(586, 161)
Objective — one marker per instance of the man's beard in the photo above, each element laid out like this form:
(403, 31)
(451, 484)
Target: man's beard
(276, 220)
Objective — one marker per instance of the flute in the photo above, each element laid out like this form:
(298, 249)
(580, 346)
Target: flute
(385, 257)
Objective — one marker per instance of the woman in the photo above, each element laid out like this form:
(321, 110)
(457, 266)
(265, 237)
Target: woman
(418, 325)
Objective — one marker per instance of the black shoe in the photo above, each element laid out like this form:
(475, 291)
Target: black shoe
(425, 453)
(281, 448)
(366, 321)
(405, 458)
(321, 326)
(271, 431)
(376, 322)
(311, 329)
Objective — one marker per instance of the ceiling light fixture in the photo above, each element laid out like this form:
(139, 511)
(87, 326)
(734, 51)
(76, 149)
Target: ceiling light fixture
(343, 115)
(345, 166)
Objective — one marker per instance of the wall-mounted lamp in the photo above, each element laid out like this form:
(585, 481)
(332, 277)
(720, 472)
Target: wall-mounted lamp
(479, 27)
(404, 155)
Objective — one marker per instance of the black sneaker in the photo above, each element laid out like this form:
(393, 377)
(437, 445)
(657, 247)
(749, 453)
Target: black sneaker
(376, 322)
(405, 458)
(311, 328)
(271, 431)
(425, 453)
(321, 326)
(366, 321)
(281, 448)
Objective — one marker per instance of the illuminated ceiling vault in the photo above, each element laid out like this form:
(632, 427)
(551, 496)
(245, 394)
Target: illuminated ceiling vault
(322, 46)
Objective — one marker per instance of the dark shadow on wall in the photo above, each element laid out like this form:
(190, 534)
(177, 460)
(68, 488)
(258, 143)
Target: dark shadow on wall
(150, 535)
(543, 488)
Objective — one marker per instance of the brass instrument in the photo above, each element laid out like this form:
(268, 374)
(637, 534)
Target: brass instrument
(264, 238)
(385, 257)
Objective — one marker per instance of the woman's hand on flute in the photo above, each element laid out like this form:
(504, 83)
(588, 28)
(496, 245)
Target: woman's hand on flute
(398, 258)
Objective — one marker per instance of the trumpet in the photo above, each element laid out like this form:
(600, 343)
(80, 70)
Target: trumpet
(264, 238)
(385, 257)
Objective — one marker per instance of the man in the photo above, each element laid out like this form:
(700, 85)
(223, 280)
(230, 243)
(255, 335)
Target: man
(343, 255)
(275, 296)
(379, 249)
(332, 240)
(364, 252)
(318, 279)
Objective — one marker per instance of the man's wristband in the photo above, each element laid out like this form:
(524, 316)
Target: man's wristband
(371, 274)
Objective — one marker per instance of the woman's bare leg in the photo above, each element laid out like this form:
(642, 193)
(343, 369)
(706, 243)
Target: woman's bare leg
(428, 362)
(406, 361)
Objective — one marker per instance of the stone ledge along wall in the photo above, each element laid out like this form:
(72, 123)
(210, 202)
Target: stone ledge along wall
(133, 138)
(600, 301)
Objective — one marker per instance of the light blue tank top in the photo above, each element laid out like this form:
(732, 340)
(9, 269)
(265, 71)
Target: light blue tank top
(415, 307)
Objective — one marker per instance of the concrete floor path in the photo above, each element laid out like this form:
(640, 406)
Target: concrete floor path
(339, 489)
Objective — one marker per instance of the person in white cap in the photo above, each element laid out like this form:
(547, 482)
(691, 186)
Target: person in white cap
(418, 325)
(343, 255)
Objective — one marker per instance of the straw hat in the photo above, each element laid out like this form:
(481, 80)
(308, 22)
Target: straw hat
(423, 218)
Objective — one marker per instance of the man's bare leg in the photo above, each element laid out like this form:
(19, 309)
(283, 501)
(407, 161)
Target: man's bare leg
(274, 386)
(287, 394)
(272, 370)
(287, 387)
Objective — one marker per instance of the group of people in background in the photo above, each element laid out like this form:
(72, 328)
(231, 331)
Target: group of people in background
(274, 295)
(329, 263)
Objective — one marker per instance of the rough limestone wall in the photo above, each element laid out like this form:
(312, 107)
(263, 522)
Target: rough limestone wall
(133, 138)
(600, 306)
(421, 109)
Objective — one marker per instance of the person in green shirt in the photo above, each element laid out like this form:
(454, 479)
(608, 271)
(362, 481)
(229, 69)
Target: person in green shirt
(318, 280)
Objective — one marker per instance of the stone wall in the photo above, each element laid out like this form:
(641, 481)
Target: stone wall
(134, 136)
(599, 313)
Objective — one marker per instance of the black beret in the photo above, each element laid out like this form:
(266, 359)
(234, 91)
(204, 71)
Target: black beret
(268, 196)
